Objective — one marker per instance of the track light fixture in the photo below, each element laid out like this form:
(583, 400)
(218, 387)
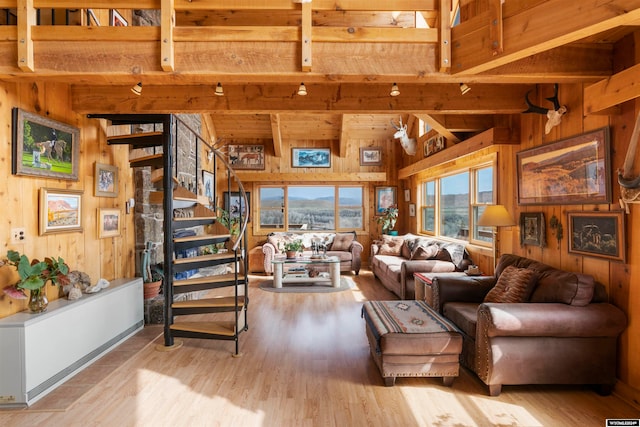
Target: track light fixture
(302, 89)
(464, 89)
(137, 89)
(219, 90)
(394, 90)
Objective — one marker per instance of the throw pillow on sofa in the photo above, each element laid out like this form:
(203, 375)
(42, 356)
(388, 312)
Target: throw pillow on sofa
(513, 286)
(391, 245)
(342, 241)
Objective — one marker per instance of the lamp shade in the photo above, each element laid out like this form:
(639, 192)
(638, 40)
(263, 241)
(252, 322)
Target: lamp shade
(495, 216)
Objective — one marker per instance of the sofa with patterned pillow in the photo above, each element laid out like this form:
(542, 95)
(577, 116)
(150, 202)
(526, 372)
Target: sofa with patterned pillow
(394, 259)
(342, 245)
(531, 323)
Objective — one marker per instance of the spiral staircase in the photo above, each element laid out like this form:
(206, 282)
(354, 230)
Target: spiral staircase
(221, 313)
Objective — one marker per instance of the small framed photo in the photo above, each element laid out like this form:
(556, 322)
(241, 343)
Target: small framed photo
(371, 156)
(532, 229)
(117, 20)
(407, 195)
(234, 205)
(208, 185)
(43, 147)
(412, 209)
(106, 180)
(385, 197)
(311, 157)
(60, 211)
(597, 234)
(246, 157)
(109, 222)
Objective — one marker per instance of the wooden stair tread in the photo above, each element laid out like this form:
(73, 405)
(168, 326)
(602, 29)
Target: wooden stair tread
(185, 219)
(210, 302)
(146, 158)
(214, 328)
(158, 174)
(229, 277)
(138, 140)
(201, 237)
(210, 257)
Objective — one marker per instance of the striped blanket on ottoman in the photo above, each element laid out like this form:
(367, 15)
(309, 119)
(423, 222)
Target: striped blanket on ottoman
(409, 339)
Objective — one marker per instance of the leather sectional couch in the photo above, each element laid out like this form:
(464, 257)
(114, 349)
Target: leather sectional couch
(557, 327)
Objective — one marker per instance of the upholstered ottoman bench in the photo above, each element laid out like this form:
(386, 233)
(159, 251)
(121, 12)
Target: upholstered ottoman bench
(409, 339)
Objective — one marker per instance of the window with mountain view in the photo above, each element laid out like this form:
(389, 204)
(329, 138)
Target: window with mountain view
(311, 207)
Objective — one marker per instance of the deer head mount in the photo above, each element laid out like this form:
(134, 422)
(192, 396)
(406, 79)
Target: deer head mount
(409, 145)
(554, 117)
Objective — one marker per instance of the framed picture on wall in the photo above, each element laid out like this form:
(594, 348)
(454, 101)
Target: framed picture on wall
(208, 185)
(43, 147)
(532, 229)
(233, 204)
(246, 157)
(311, 157)
(371, 156)
(574, 170)
(597, 234)
(116, 19)
(385, 197)
(106, 180)
(109, 222)
(60, 211)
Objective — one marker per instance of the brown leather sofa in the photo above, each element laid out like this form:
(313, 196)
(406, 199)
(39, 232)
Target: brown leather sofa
(564, 332)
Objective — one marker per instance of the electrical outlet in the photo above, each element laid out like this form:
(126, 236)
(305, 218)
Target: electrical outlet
(18, 235)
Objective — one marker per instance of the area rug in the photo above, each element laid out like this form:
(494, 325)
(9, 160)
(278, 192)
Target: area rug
(346, 283)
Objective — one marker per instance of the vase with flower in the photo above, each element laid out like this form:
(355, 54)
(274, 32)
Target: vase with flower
(33, 276)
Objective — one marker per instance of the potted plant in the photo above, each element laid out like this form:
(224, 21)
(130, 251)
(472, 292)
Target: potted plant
(151, 276)
(292, 248)
(388, 219)
(34, 275)
(231, 222)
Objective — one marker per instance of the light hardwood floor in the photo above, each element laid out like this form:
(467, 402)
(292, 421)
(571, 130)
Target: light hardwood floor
(305, 362)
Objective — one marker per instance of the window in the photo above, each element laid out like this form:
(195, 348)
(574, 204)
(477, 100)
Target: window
(311, 207)
(451, 205)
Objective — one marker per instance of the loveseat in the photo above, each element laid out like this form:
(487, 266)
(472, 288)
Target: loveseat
(394, 259)
(531, 323)
(342, 245)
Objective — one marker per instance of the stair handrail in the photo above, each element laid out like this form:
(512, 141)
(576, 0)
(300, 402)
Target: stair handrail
(220, 155)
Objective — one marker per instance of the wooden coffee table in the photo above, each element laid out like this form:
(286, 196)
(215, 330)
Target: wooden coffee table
(279, 277)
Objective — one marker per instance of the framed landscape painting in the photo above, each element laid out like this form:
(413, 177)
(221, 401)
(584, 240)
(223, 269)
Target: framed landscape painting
(43, 147)
(597, 234)
(60, 210)
(310, 157)
(575, 170)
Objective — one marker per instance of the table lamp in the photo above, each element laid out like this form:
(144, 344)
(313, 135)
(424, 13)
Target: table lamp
(495, 216)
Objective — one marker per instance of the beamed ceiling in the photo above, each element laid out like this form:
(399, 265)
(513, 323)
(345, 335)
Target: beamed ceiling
(348, 54)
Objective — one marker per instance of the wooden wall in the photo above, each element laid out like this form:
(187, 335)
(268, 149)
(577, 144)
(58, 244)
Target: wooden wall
(108, 258)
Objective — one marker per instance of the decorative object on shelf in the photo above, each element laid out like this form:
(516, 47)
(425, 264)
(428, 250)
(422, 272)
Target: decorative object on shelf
(34, 275)
(556, 227)
(43, 147)
(574, 170)
(532, 229)
(292, 248)
(311, 157)
(60, 210)
(433, 145)
(388, 219)
(370, 156)
(106, 180)
(597, 234)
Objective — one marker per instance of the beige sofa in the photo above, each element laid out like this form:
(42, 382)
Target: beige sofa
(394, 259)
(557, 328)
(342, 245)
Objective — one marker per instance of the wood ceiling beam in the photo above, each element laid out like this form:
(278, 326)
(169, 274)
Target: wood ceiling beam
(374, 99)
(167, 50)
(434, 122)
(464, 123)
(612, 91)
(536, 29)
(277, 135)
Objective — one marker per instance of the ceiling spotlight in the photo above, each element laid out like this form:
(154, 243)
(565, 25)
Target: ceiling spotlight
(137, 89)
(219, 90)
(464, 88)
(394, 90)
(302, 89)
